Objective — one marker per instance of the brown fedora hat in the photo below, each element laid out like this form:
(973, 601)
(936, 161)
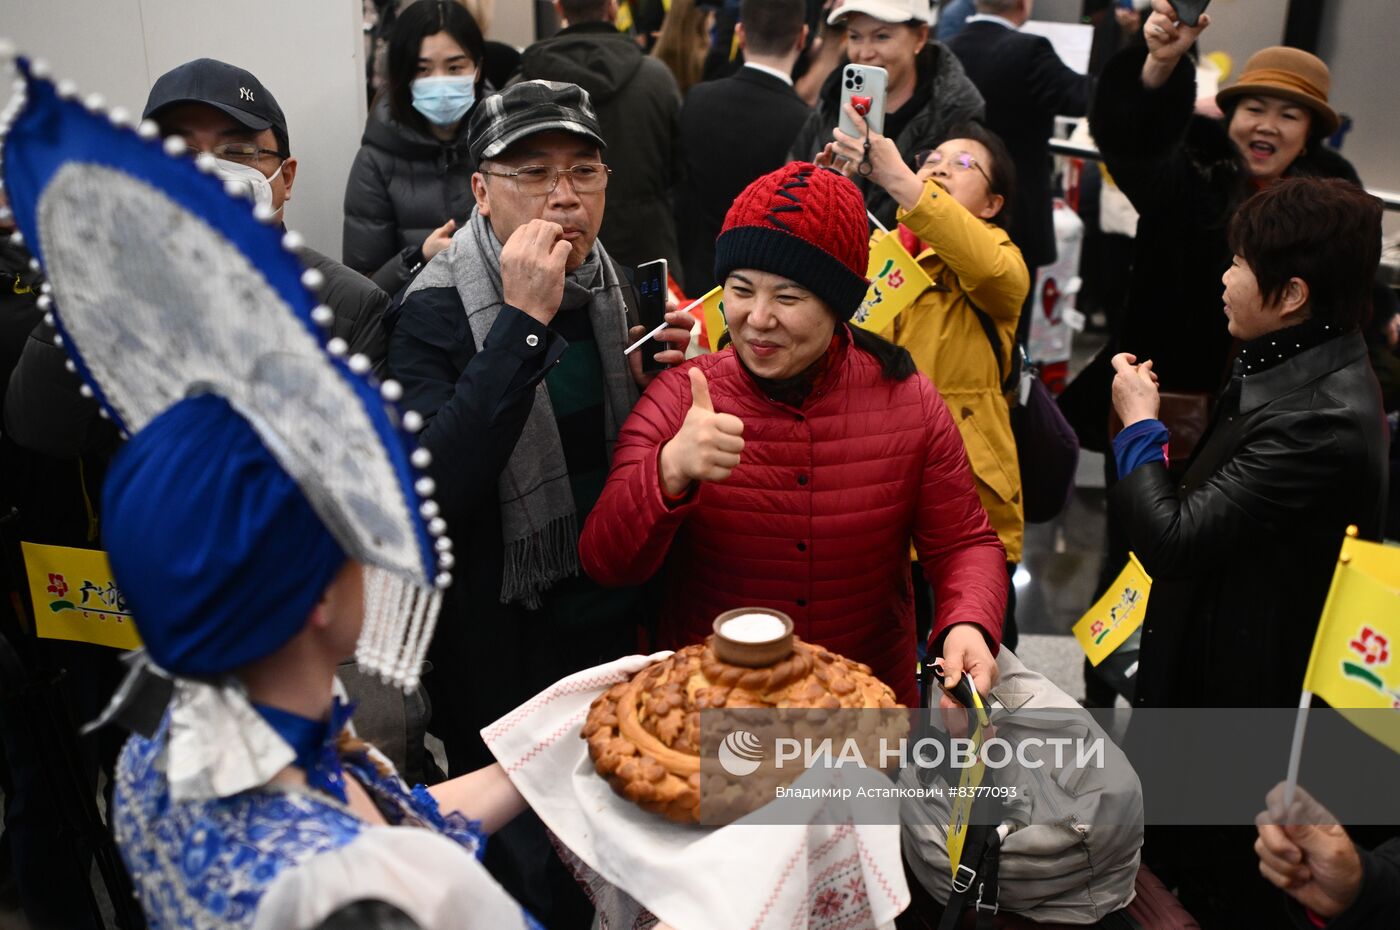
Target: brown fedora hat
(1292, 74)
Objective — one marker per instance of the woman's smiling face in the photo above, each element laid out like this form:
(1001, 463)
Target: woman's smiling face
(1270, 133)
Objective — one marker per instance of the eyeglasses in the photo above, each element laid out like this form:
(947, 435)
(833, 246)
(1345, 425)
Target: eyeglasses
(963, 160)
(245, 153)
(534, 180)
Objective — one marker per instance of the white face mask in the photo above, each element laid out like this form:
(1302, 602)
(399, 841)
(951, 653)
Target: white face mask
(254, 181)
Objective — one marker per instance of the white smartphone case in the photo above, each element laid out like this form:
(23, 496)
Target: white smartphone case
(864, 81)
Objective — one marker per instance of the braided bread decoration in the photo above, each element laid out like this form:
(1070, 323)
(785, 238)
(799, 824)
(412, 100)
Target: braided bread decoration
(644, 734)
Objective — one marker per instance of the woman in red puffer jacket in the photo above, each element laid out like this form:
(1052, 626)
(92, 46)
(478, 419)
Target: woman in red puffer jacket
(793, 469)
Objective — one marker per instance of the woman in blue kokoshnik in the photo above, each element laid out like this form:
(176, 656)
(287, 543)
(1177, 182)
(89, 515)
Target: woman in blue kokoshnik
(268, 518)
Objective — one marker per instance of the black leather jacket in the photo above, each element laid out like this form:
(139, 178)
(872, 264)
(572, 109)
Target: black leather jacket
(1241, 553)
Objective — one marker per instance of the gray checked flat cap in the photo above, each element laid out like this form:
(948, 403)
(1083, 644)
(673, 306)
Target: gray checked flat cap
(527, 108)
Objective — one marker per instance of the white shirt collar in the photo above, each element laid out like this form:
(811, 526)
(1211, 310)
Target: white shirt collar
(785, 78)
(218, 745)
(990, 18)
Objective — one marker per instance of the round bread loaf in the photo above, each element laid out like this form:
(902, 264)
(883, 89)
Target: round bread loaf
(644, 734)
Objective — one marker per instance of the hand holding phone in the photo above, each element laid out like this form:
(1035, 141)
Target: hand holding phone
(1189, 12)
(651, 307)
(863, 87)
(1169, 37)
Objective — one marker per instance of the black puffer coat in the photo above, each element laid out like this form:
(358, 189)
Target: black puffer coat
(46, 500)
(944, 96)
(1186, 180)
(1241, 553)
(639, 111)
(403, 184)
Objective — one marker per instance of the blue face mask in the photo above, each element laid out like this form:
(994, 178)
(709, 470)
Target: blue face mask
(444, 100)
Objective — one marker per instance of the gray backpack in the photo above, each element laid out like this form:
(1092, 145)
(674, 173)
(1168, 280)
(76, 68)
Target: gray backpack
(1061, 868)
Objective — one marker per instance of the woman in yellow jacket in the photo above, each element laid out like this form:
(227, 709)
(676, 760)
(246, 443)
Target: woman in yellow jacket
(948, 209)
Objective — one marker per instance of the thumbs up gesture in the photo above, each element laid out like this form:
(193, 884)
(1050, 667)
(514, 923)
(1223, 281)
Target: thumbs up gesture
(706, 447)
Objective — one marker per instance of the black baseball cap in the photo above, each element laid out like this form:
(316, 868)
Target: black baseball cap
(224, 87)
(527, 108)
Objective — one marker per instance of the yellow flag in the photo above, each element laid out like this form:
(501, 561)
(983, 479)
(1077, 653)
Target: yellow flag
(1355, 663)
(1115, 616)
(895, 281)
(1380, 562)
(624, 14)
(75, 598)
(713, 306)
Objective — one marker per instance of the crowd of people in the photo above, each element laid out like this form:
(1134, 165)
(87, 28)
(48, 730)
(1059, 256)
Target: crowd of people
(866, 484)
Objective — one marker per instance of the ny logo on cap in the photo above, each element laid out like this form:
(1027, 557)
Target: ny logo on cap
(245, 94)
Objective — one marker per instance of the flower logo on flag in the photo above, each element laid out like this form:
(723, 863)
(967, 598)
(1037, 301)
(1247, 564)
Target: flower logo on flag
(896, 279)
(57, 586)
(1373, 648)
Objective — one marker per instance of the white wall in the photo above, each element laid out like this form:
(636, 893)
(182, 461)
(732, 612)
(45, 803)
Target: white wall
(1058, 11)
(513, 21)
(1239, 27)
(1359, 48)
(1242, 27)
(308, 53)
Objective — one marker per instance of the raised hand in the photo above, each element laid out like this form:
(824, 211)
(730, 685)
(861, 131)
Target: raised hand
(676, 335)
(706, 447)
(532, 269)
(1303, 850)
(965, 652)
(438, 240)
(1135, 394)
(1167, 40)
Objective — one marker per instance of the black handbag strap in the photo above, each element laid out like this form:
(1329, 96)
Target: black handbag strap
(975, 885)
(1009, 379)
(987, 903)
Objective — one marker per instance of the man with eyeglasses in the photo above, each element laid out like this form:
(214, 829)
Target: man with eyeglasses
(65, 447)
(511, 345)
(224, 113)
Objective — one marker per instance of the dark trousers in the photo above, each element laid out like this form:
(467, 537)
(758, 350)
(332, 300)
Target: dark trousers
(51, 823)
(1215, 873)
(473, 684)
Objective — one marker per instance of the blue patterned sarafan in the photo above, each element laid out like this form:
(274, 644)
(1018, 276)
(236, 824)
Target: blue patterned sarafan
(207, 863)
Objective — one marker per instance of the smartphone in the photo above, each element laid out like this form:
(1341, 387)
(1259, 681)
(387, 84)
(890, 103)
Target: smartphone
(1188, 12)
(863, 86)
(651, 307)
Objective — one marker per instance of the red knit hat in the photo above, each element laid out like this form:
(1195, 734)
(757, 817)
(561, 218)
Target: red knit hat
(806, 224)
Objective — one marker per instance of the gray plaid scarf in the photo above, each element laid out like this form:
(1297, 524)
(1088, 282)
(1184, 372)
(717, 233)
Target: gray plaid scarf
(540, 527)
